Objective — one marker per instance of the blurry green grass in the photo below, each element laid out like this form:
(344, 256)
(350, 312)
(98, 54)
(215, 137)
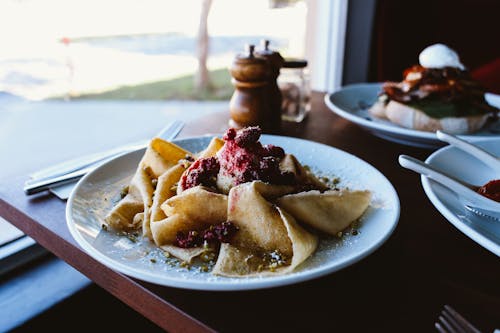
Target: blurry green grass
(181, 88)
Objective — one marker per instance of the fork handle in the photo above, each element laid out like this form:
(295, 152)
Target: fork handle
(44, 184)
(481, 154)
(465, 190)
(38, 185)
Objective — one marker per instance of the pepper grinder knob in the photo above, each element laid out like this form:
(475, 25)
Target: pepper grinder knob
(249, 50)
(264, 43)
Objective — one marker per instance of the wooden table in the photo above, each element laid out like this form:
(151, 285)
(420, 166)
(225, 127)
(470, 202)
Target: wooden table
(425, 264)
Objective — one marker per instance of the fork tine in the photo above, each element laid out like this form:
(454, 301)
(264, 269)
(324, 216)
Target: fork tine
(171, 130)
(457, 319)
(440, 328)
(450, 323)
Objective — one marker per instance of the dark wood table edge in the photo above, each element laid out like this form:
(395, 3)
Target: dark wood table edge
(156, 309)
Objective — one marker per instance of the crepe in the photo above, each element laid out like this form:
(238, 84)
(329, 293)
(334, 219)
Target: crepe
(165, 189)
(133, 211)
(269, 240)
(187, 255)
(330, 211)
(303, 176)
(212, 148)
(194, 209)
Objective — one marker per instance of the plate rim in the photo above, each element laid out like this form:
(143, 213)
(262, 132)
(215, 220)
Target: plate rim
(447, 213)
(409, 133)
(254, 283)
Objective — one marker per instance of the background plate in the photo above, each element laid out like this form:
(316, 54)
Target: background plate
(94, 195)
(352, 103)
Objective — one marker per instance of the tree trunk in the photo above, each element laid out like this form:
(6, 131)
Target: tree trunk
(202, 78)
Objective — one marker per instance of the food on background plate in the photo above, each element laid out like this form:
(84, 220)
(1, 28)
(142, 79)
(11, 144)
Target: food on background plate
(438, 94)
(241, 207)
(491, 190)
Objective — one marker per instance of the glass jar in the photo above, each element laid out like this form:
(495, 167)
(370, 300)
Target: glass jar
(293, 82)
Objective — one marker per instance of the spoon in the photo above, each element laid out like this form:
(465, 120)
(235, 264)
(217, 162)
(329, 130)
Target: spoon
(490, 160)
(463, 189)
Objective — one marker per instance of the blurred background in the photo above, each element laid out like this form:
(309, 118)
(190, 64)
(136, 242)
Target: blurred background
(401, 29)
(127, 49)
(168, 49)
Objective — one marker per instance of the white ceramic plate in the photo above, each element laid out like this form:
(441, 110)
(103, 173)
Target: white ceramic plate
(482, 230)
(352, 103)
(94, 195)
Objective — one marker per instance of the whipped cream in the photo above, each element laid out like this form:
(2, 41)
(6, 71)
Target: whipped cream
(439, 56)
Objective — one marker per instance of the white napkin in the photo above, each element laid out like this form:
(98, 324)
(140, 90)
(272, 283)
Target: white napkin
(63, 191)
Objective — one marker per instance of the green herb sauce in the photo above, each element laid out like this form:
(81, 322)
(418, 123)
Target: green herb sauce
(438, 109)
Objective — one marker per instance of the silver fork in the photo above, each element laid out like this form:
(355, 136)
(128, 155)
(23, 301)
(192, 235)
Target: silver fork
(72, 170)
(450, 321)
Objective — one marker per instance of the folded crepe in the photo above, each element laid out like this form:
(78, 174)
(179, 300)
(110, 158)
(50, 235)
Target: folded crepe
(304, 177)
(193, 210)
(167, 185)
(212, 148)
(165, 189)
(269, 240)
(187, 255)
(330, 211)
(133, 211)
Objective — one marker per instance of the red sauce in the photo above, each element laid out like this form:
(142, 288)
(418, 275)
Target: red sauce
(218, 233)
(245, 159)
(491, 190)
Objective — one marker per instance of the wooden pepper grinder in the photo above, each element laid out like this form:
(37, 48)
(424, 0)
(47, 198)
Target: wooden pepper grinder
(249, 104)
(276, 61)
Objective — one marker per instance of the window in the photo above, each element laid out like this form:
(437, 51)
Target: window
(130, 49)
